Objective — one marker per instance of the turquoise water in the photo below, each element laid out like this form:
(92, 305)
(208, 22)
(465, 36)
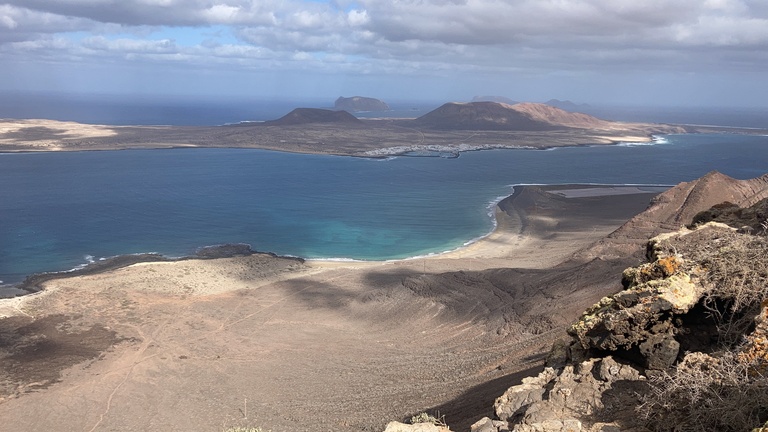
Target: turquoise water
(59, 210)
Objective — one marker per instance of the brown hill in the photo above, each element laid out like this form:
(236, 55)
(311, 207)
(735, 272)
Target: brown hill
(301, 116)
(677, 207)
(499, 116)
(560, 117)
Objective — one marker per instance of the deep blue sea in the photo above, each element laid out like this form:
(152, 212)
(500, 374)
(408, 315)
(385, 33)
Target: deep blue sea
(60, 210)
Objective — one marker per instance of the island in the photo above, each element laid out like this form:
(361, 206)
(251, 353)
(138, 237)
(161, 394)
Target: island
(359, 103)
(451, 128)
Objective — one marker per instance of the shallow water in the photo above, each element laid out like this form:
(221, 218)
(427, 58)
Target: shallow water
(57, 210)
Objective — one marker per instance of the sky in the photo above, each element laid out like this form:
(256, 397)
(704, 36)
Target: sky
(633, 52)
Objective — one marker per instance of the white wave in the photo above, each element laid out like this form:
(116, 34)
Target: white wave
(636, 144)
(655, 140)
(243, 122)
(380, 159)
(333, 259)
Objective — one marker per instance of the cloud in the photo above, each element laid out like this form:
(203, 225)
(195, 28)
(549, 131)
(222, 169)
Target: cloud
(159, 12)
(100, 43)
(402, 37)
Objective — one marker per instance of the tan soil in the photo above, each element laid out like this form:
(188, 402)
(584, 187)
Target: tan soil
(286, 345)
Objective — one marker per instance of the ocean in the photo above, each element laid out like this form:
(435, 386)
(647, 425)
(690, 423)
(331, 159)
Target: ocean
(59, 211)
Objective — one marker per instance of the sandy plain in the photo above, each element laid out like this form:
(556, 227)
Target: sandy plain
(287, 344)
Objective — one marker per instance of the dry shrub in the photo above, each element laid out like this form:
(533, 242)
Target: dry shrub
(705, 393)
(721, 392)
(423, 417)
(738, 276)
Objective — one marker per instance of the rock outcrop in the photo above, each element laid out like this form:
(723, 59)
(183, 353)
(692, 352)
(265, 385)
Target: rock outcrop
(684, 344)
(359, 103)
(751, 220)
(561, 400)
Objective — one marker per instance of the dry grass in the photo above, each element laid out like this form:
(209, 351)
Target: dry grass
(705, 393)
(738, 275)
(436, 420)
(725, 391)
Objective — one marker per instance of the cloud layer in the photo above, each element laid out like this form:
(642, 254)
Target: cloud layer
(403, 38)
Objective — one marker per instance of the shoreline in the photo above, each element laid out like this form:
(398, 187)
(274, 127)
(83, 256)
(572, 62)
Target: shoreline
(370, 138)
(431, 150)
(259, 327)
(502, 230)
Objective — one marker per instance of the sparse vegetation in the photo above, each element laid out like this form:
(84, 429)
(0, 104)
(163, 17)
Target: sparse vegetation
(728, 389)
(423, 417)
(705, 393)
(738, 273)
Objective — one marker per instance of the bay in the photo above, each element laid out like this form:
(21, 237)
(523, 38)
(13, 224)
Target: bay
(59, 210)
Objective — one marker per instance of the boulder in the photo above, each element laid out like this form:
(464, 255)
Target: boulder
(395, 426)
(559, 400)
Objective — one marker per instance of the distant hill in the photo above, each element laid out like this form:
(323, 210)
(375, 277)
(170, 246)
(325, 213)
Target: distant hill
(499, 99)
(360, 103)
(566, 105)
(499, 116)
(301, 116)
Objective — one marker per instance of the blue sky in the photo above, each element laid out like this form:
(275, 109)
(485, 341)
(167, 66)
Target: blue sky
(667, 52)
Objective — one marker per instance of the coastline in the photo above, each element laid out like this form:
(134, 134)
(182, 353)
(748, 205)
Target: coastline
(261, 326)
(507, 234)
(371, 138)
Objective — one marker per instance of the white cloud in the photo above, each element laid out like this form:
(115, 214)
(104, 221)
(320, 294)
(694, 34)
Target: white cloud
(400, 36)
(357, 18)
(163, 46)
(221, 13)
